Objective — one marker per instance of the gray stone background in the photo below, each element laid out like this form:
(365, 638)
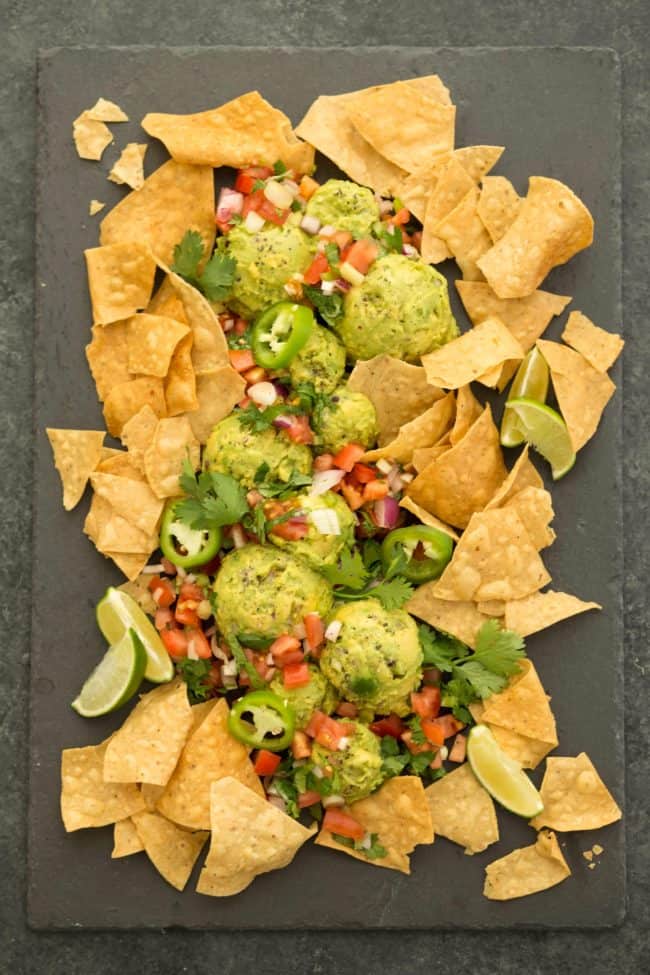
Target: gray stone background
(26, 25)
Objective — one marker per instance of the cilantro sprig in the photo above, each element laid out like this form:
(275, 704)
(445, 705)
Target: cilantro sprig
(329, 307)
(218, 275)
(194, 673)
(374, 851)
(213, 499)
(353, 580)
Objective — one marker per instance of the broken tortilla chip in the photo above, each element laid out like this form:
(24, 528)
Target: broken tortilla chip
(209, 345)
(462, 810)
(452, 184)
(172, 850)
(86, 799)
(523, 707)
(464, 234)
(133, 500)
(173, 443)
(151, 340)
(472, 354)
(498, 205)
(94, 207)
(127, 398)
(180, 382)
(543, 609)
(468, 410)
(137, 434)
(76, 455)
(601, 349)
(523, 474)
(105, 111)
(424, 431)
(126, 841)
(91, 137)
(525, 318)
(575, 797)
(426, 517)
(217, 395)
(129, 168)
(527, 870)
(460, 619)
(535, 508)
(108, 357)
(120, 279)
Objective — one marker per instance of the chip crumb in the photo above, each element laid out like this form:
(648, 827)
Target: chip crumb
(129, 168)
(592, 866)
(588, 855)
(94, 207)
(597, 849)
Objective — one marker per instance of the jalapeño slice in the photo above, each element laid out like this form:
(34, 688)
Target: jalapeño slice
(185, 546)
(261, 719)
(280, 333)
(426, 551)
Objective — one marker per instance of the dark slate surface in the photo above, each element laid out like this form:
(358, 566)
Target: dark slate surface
(580, 662)
(620, 24)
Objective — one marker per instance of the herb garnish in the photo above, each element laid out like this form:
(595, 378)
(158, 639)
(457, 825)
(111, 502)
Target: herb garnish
(216, 279)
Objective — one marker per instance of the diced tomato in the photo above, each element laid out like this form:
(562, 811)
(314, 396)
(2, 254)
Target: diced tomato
(432, 731)
(363, 473)
(244, 402)
(266, 762)
(329, 732)
(352, 495)
(246, 178)
(316, 722)
(414, 747)
(252, 202)
(348, 456)
(309, 798)
(361, 254)
(437, 761)
(341, 823)
(255, 375)
(300, 430)
(272, 213)
(162, 591)
(223, 227)
(163, 618)
(300, 745)
(314, 630)
(168, 566)
(240, 326)
(458, 750)
(375, 490)
(426, 703)
(282, 646)
(241, 359)
(449, 724)
(258, 661)
(392, 725)
(190, 590)
(175, 641)
(198, 644)
(296, 675)
(342, 239)
(308, 187)
(318, 267)
(185, 612)
(324, 462)
(290, 531)
(347, 710)
(401, 217)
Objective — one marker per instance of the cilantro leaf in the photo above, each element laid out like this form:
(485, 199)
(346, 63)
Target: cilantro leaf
(371, 555)
(259, 420)
(374, 852)
(350, 572)
(391, 239)
(329, 307)
(393, 594)
(274, 488)
(279, 168)
(194, 672)
(287, 791)
(214, 499)
(439, 650)
(188, 254)
(457, 694)
(483, 681)
(497, 649)
(218, 277)
(332, 254)
(309, 399)
(415, 725)
(420, 762)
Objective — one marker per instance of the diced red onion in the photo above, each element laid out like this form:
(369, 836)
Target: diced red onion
(325, 480)
(386, 512)
(394, 479)
(211, 631)
(333, 630)
(230, 202)
(283, 422)
(332, 801)
(264, 393)
(280, 389)
(342, 285)
(326, 521)
(278, 802)
(238, 536)
(384, 465)
(310, 224)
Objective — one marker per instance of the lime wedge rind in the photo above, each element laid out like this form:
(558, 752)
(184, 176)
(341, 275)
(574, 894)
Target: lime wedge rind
(500, 775)
(115, 679)
(545, 430)
(118, 612)
(531, 381)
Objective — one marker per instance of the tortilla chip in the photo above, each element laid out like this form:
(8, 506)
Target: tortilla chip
(535, 508)
(126, 841)
(180, 383)
(217, 394)
(201, 711)
(581, 391)
(120, 279)
(575, 797)
(527, 870)
(209, 348)
(464, 234)
(529, 752)
(423, 431)
(469, 356)
(423, 456)
(398, 391)
(601, 349)
(175, 198)
(86, 799)
(129, 168)
(90, 137)
(402, 123)
(94, 207)
(468, 410)
(498, 205)
(133, 500)
(76, 455)
(167, 303)
(551, 226)
(131, 565)
(249, 837)
(525, 318)
(147, 746)
(137, 434)
(492, 607)
(105, 111)
(120, 464)
(523, 474)
(460, 619)
(118, 536)
(211, 753)
(478, 160)
(398, 814)
(246, 131)
(494, 559)
(173, 442)
(172, 850)
(151, 793)
(151, 340)
(108, 357)
(128, 398)
(523, 707)
(465, 477)
(451, 186)
(426, 517)
(543, 609)
(462, 810)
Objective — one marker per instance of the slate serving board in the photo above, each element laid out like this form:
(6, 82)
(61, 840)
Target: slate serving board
(557, 112)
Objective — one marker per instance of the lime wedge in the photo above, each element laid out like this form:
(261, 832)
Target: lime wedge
(546, 431)
(118, 612)
(531, 382)
(115, 679)
(503, 778)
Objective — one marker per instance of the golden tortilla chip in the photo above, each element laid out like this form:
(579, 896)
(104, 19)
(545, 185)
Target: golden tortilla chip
(398, 814)
(151, 793)
(133, 500)
(543, 609)
(468, 410)
(398, 390)
(129, 168)
(246, 131)
(108, 357)
(151, 340)
(174, 199)
(172, 850)
(494, 559)
(478, 160)
(137, 434)
(86, 799)
(492, 607)
(462, 810)
(105, 111)
(426, 517)
(209, 346)
(118, 536)
(460, 619)
(90, 137)
(472, 354)
(217, 394)
(147, 746)
(126, 841)
(173, 442)
(523, 707)
(417, 186)
(464, 234)
(120, 278)
(523, 474)
(403, 124)
(451, 186)
(535, 508)
(211, 753)
(465, 477)
(166, 302)
(498, 205)
(131, 565)
(128, 398)
(581, 391)
(139, 590)
(180, 383)
(249, 837)
(527, 870)
(575, 797)
(526, 318)
(423, 456)
(601, 349)
(424, 431)
(120, 463)
(94, 207)
(529, 752)
(551, 226)
(76, 455)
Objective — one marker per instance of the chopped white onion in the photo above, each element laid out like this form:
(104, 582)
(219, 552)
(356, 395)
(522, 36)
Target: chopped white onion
(228, 324)
(333, 630)
(394, 479)
(190, 577)
(343, 744)
(327, 231)
(410, 251)
(180, 572)
(385, 206)
(278, 195)
(278, 802)
(152, 570)
(332, 801)
(324, 481)
(238, 536)
(350, 273)
(443, 751)
(269, 660)
(328, 287)
(216, 649)
(229, 669)
(317, 772)
(384, 465)
(253, 222)
(191, 650)
(310, 224)
(271, 790)
(325, 521)
(407, 478)
(366, 842)
(264, 394)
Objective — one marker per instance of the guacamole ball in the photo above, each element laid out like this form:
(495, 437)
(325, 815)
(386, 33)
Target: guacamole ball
(401, 309)
(320, 362)
(317, 695)
(357, 767)
(376, 658)
(347, 418)
(342, 204)
(234, 449)
(265, 262)
(320, 547)
(266, 592)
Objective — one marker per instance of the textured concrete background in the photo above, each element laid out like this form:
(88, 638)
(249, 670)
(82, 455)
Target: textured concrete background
(25, 26)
